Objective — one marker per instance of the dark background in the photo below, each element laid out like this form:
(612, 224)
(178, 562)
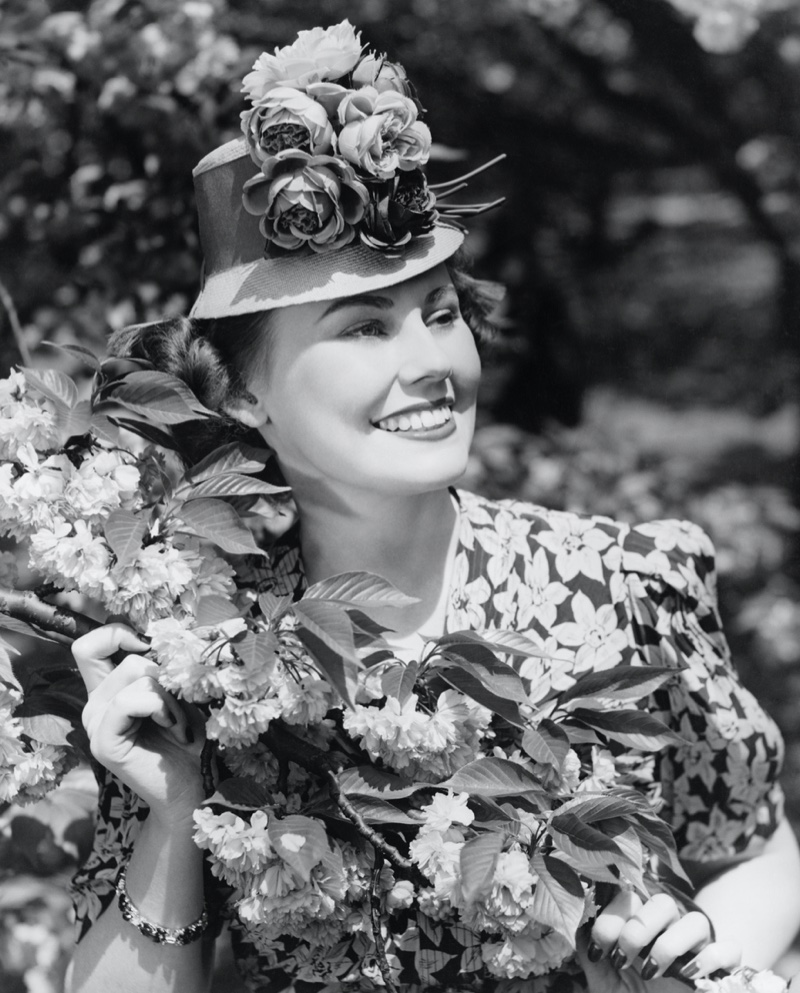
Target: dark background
(649, 360)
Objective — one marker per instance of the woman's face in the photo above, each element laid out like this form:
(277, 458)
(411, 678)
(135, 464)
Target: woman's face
(374, 392)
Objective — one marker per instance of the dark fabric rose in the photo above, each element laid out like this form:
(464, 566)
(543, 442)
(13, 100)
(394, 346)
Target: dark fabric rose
(399, 210)
(306, 200)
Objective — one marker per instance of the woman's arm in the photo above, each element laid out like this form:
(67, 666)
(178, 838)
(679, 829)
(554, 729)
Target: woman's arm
(755, 903)
(165, 882)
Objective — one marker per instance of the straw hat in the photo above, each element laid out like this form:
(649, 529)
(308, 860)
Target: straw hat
(324, 196)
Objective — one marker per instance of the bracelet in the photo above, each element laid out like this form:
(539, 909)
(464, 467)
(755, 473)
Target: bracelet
(156, 932)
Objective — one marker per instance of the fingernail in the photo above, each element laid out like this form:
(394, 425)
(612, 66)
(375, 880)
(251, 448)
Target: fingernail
(690, 970)
(649, 969)
(594, 952)
(619, 959)
(190, 735)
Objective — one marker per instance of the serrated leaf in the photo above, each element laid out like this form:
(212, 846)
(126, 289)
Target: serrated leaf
(582, 841)
(103, 428)
(86, 356)
(478, 860)
(300, 841)
(558, 900)
(214, 609)
(272, 606)
(329, 622)
(47, 728)
(366, 780)
(627, 840)
(230, 485)
(594, 807)
(617, 683)
(493, 777)
(234, 457)
(340, 671)
(55, 385)
(547, 743)
(497, 676)
(513, 643)
(158, 396)
(74, 422)
(257, 650)
(239, 793)
(359, 588)
(377, 811)
(463, 680)
(144, 430)
(219, 523)
(633, 728)
(398, 680)
(124, 532)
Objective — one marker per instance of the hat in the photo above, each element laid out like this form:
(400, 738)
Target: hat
(324, 196)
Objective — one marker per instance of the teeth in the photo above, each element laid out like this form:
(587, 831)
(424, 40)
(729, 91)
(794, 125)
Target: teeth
(418, 420)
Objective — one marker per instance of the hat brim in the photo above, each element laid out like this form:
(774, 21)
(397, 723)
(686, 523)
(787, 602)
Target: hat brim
(265, 284)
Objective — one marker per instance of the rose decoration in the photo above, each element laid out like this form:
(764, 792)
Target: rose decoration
(383, 75)
(381, 133)
(286, 118)
(405, 210)
(306, 200)
(317, 55)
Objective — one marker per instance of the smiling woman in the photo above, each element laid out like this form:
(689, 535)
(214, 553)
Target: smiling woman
(349, 345)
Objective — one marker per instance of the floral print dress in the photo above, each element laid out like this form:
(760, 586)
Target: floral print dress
(594, 593)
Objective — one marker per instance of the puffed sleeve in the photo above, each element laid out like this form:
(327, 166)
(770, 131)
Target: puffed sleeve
(120, 814)
(719, 786)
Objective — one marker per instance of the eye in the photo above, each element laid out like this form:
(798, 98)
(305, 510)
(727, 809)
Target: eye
(367, 329)
(444, 317)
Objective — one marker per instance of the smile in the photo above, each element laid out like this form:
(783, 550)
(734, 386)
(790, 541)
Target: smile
(417, 420)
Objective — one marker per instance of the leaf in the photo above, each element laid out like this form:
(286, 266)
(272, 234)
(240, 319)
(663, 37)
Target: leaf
(104, 428)
(630, 727)
(497, 676)
(366, 780)
(239, 794)
(22, 627)
(86, 356)
(219, 523)
(272, 606)
(493, 777)
(341, 672)
(377, 811)
(558, 900)
(257, 650)
(548, 743)
(147, 431)
(582, 841)
(478, 860)
(214, 609)
(594, 807)
(230, 485)
(513, 643)
(632, 864)
(47, 728)
(623, 682)
(158, 396)
(7, 670)
(463, 680)
(124, 532)
(55, 385)
(234, 457)
(300, 841)
(398, 680)
(75, 422)
(362, 588)
(329, 622)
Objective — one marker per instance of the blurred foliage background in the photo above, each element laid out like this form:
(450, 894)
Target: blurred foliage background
(649, 361)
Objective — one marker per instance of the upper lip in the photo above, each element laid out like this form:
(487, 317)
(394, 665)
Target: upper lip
(415, 407)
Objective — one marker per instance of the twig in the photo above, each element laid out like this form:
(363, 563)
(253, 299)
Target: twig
(26, 606)
(207, 768)
(16, 327)
(377, 840)
(377, 933)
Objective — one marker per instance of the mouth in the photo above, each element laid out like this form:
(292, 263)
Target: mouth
(425, 417)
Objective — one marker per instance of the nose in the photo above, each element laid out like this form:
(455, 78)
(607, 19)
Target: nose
(423, 356)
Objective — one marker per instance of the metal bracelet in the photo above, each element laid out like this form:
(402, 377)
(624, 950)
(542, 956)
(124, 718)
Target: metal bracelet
(156, 932)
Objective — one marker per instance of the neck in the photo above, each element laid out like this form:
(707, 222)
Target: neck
(404, 539)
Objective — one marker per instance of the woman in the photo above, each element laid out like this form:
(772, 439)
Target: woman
(359, 367)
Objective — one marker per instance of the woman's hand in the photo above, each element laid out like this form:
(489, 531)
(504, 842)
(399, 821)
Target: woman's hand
(633, 943)
(136, 729)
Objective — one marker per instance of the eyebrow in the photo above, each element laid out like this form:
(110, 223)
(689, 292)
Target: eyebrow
(382, 303)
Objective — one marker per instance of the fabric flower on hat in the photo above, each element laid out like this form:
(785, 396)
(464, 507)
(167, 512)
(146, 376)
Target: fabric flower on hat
(399, 211)
(317, 55)
(286, 118)
(381, 133)
(373, 70)
(304, 199)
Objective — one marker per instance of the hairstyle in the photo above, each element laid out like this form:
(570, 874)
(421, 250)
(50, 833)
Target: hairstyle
(212, 357)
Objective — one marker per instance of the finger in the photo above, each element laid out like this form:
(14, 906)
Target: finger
(138, 701)
(608, 924)
(643, 927)
(716, 955)
(93, 651)
(686, 935)
(131, 669)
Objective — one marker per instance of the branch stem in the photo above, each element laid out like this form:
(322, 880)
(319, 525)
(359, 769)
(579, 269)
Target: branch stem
(60, 623)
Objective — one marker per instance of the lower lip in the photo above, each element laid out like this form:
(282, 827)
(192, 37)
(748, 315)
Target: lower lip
(425, 434)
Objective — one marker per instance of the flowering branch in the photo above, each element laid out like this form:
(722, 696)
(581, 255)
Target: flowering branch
(375, 916)
(60, 622)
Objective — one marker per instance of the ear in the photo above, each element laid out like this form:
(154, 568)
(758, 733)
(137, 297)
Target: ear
(248, 410)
